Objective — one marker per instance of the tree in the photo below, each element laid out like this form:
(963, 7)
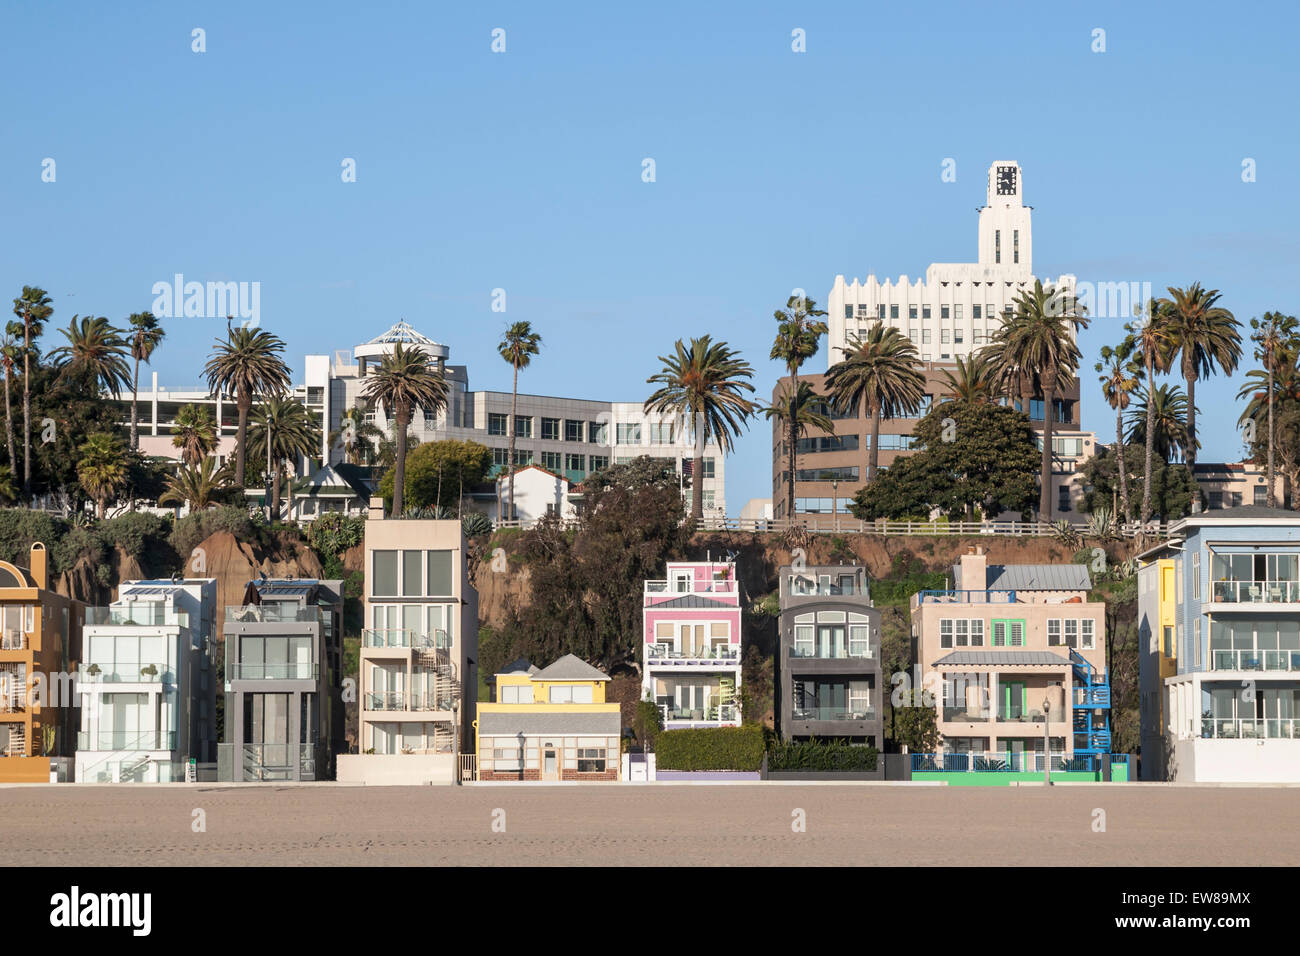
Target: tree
(1274, 392)
(9, 353)
(102, 469)
(1275, 336)
(799, 331)
(358, 438)
(404, 381)
(145, 336)
(194, 433)
(797, 413)
(641, 472)
(246, 364)
(1149, 338)
(704, 384)
(518, 347)
(1167, 413)
(972, 456)
(8, 493)
(95, 354)
(1039, 337)
(1202, 335)
(1119, 377)
(281, 429)
(976, 379)
(198, 485)
(65, 410)
(879, 373)
(34, 308)
(916, 728)
(1171, 484)
(438, 473)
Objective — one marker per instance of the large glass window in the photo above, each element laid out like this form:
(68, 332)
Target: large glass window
(550, 429)
(497, 423)
(439, 574)
(572, 430)
(411, 574)
(384, 576)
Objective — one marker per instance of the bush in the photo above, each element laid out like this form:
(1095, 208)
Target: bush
(333, 533)
(836, 757)
(710, 748)
(192, 529)
(135, 532)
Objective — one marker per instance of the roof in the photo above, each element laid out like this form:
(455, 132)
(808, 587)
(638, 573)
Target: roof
(572, 724)
(1029, 577)
(341, 479)
(1243, 512)
(692, 600)
(519, 665)
(504, 477)
(404, 333)
(1012, 658)
(570, 667)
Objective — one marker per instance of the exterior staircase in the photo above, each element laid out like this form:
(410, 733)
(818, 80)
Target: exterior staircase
(1091, 705)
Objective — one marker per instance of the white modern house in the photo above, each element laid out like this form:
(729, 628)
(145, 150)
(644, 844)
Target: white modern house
(538, 493)
(146, 683)
(1219, 652)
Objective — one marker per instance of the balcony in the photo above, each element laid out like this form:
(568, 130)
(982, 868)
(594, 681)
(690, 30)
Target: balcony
(127, 740)
(807, 587)
(663, 654)
(1255, 592)
(856, 650)
(13, 698)
(123, 673)
(1251, 728)
(402, 701)
(834, 713)
(967, 715)
(298, 670)
(273, 612)
(401, 637)
(1006, 762)
(681, 588)
(13, 639)
(1255, 661)
(965, 597)
(138, 615)
(714, 713)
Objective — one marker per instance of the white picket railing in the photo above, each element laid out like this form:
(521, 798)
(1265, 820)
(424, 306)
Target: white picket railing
(830, 524)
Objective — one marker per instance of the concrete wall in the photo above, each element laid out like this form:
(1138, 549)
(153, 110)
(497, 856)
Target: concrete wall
(1198, 760)
(390, 770)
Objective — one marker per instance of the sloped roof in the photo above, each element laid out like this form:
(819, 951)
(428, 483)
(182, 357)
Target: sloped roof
(520, 665)
(504, 477)
(572, 724)
(404, 333)
(692, 600)
(570, 667)
(334, 480)
(1005, 658)
(1028, 577)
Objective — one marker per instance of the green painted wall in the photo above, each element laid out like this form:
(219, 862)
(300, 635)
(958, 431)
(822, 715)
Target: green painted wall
(1002, 779)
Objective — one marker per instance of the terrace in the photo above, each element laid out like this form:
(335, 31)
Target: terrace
(966, 597)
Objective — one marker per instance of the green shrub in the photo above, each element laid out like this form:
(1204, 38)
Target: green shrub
(135, 532)
(333, 533)
(192, 529)
(710, 748)
(834, 757)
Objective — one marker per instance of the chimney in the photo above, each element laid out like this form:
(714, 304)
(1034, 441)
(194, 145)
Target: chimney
(376, 512)
(974, 570)
(36, 565)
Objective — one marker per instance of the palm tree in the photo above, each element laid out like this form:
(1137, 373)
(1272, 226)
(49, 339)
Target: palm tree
(403, 381)
(1119, 377)
(247, 363)
(33, 307)
(194, 433)
(9, 358)
(976, 381)
(1275, 336)
(95, 354)
(880, 372)
(358, 438)
(292, 433)
(1148, 338)
(386, 450)
(1039, 339)
(518, 347)
(703, 383)
(797, 336)
(8, 493)
(194, 485)
(146, 335)
(102, 470)
(798, 413)
(1272, 392)
(1202, 334)
(1167, 413)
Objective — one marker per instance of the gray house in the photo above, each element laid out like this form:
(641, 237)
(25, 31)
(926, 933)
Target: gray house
(284, 710)
(830, 680)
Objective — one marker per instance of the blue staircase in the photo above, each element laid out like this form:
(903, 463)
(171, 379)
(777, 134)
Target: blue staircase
(1091, 707)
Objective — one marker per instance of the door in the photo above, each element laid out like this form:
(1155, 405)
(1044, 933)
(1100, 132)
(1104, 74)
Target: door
(550, 763)
(1015, 750)
(1013, 700)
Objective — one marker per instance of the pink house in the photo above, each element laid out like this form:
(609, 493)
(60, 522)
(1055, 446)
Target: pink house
(691, 646)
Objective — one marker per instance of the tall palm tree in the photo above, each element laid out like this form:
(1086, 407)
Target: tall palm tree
(1276, 337)
(1039, 338)
(9, 352)
(797, 413)
(1119, 377)
(704, 384)
(518, 347)
(102, 470)
(403, 381)
(386, 450)
(8, 493)
(194, 433)
(797, 336)
(1275, 393)
(33, 307)
(1167, 413)
(95, 354)
(880, 373)
(145, 336)
(976, 380)
(1148, 337)
(292, 433)
(1202, 335)
(247, 363)
(194, 485)
(358, 438)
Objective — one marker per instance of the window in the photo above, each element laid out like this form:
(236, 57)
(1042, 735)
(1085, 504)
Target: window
(956, 314)
(1216, 500)
(1087, 634)
(841, 473)
(572, 430)
(523, 457)
(1009, 633)
(862, 311)
(710, 466)
(912, 334)
(944, 336)
(925, 336)
(575, 463)
(848, 312)
(896, 442)
(893, 311)
(384, 578)
(551, 460)
(661, 433)
(975, 311)
(911, 312)
(1196, 574)
(1063, 502)
(438, 575)
(925, 311)
(629, 433)
(598, 462)
(497, 423)
(815, 443)
(523, 426)
(597, 433)
(591, 759)
(997, 245)
(991, 311)
(880, 312)
(1259, 495)
(517, 694)
(501, 456)
(1015, 245)
(943, 311)
(550, 429)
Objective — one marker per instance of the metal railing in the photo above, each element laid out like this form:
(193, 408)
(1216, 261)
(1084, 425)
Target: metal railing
(1255, 592)
(127, 740)
(808, 587)
(138, 615)
(659, 652)
(403, 701)
(966, 597)
(12, 639)
(995, 761)
(277, 761)
(967, 715)
(273, 612)
(1250, 728)
(403, 637)
(841, 524)
(856, 650)
(689, 587)
(833, 713)
(299, 670)
(133, 673)
(716, 713)
(1255, 660)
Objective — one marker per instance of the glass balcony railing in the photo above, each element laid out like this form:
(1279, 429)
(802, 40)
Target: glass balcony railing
(1255, 660)
(127, 740)
(1255, 592)
(668, 588)
(400, 700)
(855, 649)
(1248, 728)
(138, 615)
(664, 652)
(401, 637)
(122, 673)
(273, 612)
(834, 713)
(808, 587)
(967, 714)
(966, 597)
(714, 713)
(298, 670)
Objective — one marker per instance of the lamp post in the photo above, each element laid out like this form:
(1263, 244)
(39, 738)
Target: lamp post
(1047, 744)
(835, 502)
(455, 737)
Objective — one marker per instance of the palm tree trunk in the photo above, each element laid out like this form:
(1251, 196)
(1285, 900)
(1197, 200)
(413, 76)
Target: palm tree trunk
(1123, 476)
(9, 427)
(873, 459)
(1045, 492)
(1189, 456)
(793, 439)
(1151, 436)
(402, 420)
(27, 405)
(243, 402)
(275, 493)
(697, 483)
(1272, 498)
(514, 396)
(135, 410)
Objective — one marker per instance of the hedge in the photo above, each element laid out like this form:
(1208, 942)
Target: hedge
(818, 756)
(710, 748)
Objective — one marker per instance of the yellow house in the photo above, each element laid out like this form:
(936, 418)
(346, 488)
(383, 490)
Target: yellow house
(549, 724)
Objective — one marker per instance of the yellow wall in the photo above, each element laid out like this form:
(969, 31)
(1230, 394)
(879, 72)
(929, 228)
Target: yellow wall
(541, 699)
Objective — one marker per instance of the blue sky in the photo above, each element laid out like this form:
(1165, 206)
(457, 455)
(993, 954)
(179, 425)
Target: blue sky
(522, 170)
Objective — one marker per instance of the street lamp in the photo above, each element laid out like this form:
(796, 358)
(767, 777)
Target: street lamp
(1047, 744)
(835, 501)
(455, 737)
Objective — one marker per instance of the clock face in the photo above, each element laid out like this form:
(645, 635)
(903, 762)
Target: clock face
(1006, 180)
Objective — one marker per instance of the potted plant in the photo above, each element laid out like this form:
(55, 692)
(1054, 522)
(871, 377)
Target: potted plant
(149, 670)
(93, 670)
